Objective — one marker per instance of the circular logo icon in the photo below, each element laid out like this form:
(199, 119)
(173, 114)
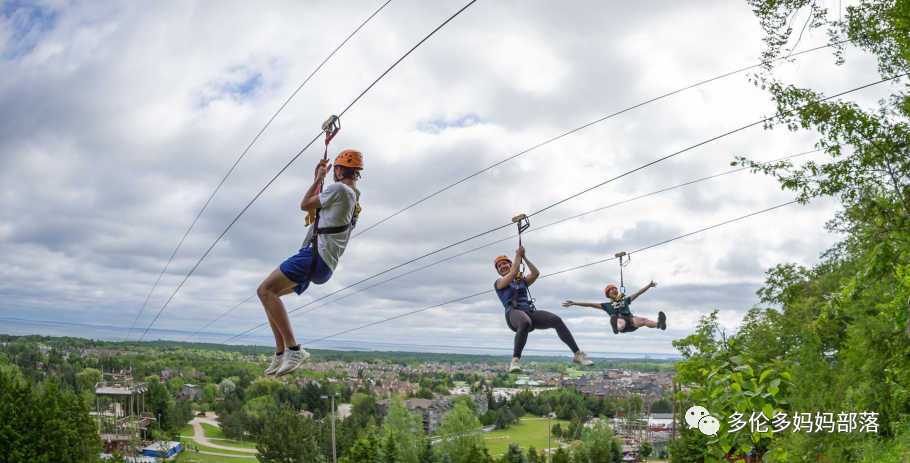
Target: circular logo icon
(708, 425)
(694, 414)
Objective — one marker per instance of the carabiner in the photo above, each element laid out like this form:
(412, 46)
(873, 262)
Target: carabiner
(522, 221)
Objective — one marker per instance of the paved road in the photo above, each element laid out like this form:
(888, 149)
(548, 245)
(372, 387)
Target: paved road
(199, 436)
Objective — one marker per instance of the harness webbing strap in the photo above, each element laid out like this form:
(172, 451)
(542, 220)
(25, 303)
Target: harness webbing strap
(622, 286)
(331, 129)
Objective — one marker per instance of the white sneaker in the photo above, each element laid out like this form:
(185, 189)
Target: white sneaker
(515, 366)
(276, 364)
(582, 358)
(293, 359)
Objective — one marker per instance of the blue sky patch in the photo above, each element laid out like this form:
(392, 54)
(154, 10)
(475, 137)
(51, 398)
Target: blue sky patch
(244, 88)
(439, 124)
(28, 22)
(240, 83)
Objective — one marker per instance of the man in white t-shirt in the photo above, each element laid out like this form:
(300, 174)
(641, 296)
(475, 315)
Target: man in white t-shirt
(336, 211)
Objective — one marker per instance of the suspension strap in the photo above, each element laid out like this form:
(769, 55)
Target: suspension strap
(523, 223)
(622, 286)
(331, 127)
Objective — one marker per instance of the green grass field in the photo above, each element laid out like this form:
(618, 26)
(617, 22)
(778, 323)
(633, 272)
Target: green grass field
(531, 431)
(214, 432)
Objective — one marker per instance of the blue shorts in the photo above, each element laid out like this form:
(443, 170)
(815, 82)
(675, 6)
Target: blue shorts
(297, 269)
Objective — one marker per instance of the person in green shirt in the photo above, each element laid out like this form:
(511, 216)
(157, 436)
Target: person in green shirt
(621, 318)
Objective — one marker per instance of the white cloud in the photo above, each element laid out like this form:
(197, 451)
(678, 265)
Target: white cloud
(120, 119)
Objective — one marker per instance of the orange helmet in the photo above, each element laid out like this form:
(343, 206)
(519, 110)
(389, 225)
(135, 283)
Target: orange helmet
(607, 290)
(350, 158)
(500, 259)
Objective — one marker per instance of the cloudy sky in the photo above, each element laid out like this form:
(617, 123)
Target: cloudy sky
(119, 119)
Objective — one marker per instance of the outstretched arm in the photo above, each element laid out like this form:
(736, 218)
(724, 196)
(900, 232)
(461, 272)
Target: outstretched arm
(642, 290)
(592, 305)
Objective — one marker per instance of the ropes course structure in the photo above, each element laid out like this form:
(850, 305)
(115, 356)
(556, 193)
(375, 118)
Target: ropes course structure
(292, 161)
(267, 124)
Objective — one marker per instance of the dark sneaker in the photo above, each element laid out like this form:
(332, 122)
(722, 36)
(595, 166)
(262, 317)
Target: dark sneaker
(661, 320)
(613, 319)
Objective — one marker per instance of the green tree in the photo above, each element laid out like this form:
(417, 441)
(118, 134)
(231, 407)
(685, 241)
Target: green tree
(288, 437)
(556, 431)
(504, 417)
(465, 431)
(513, 455)
(366, 449)
(560, 456)
(256, 413)
(689, 447)
(427, 454)
(52, 425)
(86, 380)
(363, 408)
(390, 451)
(647, 449)
(478, 454)
(580, 453)
(598, 440)
(175, 385)
(407, 427)
(209, 393)
(226, 387)
(661, 406)
(268, 387)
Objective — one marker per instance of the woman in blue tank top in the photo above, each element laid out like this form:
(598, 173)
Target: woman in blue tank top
(521, 315)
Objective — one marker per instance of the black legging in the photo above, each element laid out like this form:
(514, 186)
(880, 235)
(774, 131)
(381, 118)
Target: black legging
(523, 321)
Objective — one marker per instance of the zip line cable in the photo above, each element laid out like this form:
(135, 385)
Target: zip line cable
(292, 161)
(762, 121)
(238, 161)
(261, 326)
(548, 275)
(219, 318)
(713, 139)
(601, 120)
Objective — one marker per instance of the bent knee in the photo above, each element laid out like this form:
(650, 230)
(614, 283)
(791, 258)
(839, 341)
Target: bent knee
(263, 291)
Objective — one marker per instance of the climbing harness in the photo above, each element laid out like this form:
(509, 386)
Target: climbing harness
(620, 255)
(331, 127)
(523, 224)
(622, 286)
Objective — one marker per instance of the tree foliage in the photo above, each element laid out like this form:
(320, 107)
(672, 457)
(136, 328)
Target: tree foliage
(44, 427)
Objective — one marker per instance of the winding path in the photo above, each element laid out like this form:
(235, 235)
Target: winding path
(199, 436)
